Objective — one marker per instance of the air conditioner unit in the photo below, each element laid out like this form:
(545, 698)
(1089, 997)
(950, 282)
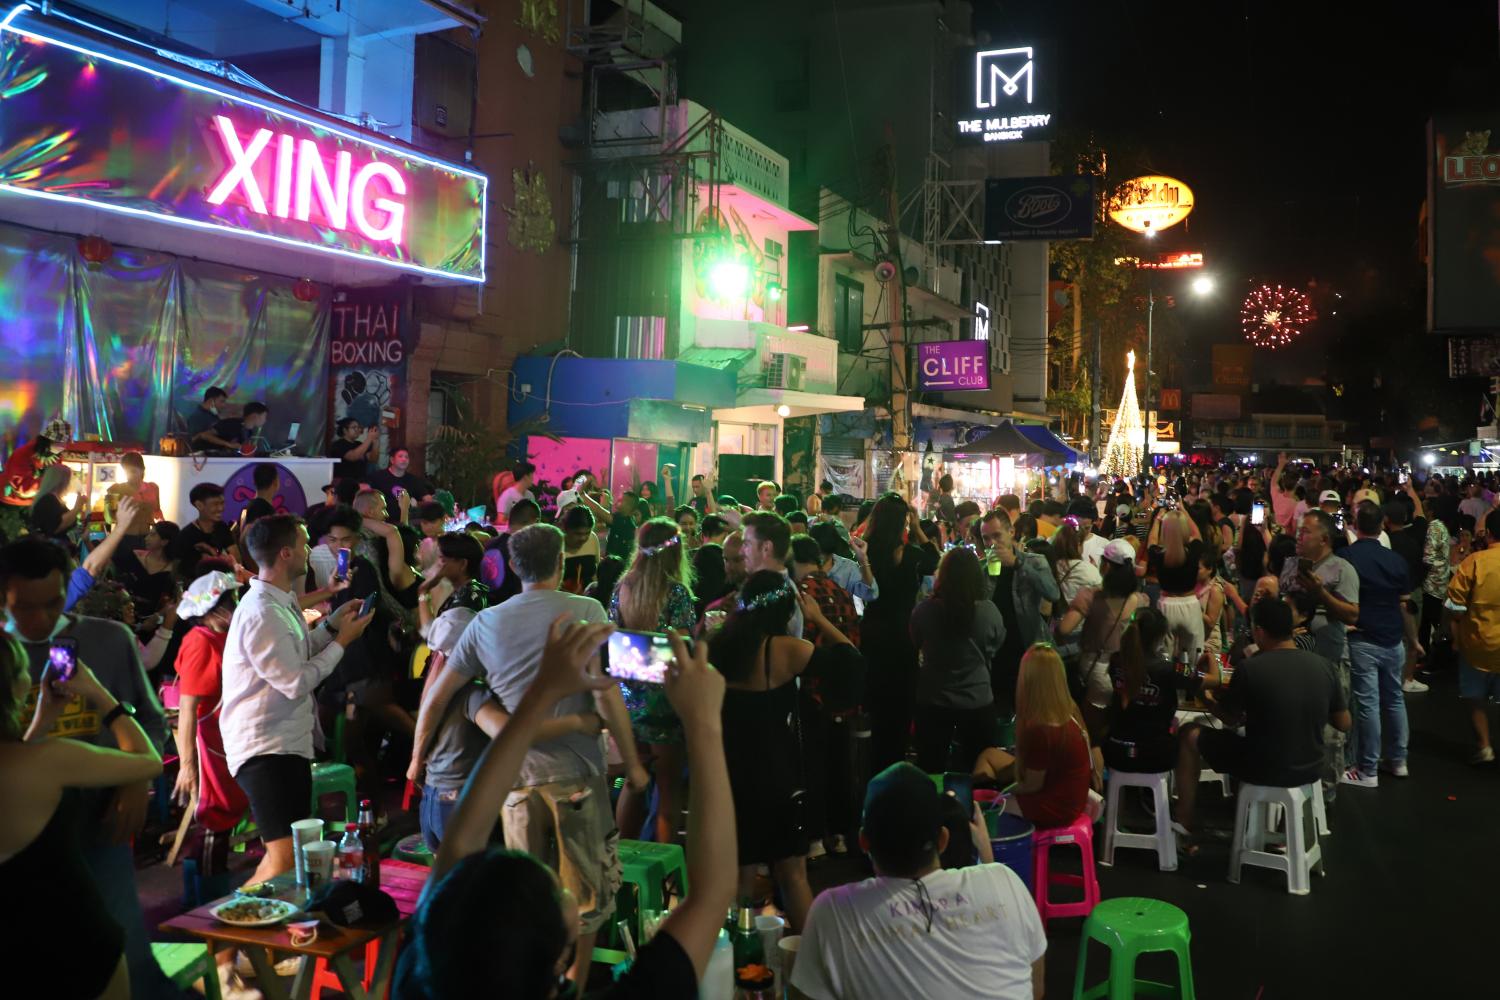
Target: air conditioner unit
(786, 371)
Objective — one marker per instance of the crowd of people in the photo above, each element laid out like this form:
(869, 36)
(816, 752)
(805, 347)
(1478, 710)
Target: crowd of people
(1031, 643)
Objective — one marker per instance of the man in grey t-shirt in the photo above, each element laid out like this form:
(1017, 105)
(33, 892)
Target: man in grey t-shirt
(1335, 584)
(561, 808)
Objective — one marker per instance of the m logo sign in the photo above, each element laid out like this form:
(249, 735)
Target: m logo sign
(1001, 75)
(1001, 97)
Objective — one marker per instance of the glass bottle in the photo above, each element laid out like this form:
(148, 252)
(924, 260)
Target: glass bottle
(371, 860)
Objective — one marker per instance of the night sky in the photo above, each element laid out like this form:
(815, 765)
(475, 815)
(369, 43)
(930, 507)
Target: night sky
(1300, 127)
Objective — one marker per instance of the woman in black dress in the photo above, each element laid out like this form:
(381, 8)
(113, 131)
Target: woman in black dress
(899, 562)
(761, 664)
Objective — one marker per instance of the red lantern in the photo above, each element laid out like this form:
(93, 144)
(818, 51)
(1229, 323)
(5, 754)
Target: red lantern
(305, 290)
(95, 249)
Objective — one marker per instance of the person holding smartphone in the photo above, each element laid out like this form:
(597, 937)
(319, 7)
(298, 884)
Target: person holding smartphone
(272, 663)
(42, 858)
(34, 582)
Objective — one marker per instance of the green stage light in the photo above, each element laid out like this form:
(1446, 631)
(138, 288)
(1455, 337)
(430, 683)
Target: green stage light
(773, 291)
(729, 278)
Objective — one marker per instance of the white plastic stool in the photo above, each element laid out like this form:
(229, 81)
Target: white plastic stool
(1163, 841)
(1251, 837)
(1320, 813)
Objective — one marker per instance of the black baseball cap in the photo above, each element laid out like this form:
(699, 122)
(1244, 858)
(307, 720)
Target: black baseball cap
(903, 812)
(353, 904)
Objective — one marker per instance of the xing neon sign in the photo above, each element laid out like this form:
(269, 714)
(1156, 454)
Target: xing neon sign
(301, 175)
(154, 142)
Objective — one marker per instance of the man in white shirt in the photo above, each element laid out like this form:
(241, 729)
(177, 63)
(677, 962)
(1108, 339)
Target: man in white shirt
(519, 490)
(1094, 545)
(272, 663)
(917, 929)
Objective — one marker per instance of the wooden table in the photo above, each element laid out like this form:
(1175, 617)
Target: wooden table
(338, 946)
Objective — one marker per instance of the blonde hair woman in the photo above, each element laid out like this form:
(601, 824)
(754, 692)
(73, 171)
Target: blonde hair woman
(1053, 766)
(1175, 554)
(655, 594)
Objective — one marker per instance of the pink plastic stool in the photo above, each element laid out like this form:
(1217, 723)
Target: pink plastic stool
(1080, 832)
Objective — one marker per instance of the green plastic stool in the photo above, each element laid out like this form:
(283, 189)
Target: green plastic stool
(648, 865)
(414, 850)
(1129, 927)
(335, 779)
(185, 963)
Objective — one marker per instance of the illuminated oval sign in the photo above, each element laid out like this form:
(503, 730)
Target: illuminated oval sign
(1151, 203)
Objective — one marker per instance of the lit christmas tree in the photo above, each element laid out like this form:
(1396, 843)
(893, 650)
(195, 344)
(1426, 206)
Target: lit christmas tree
(1127, 435)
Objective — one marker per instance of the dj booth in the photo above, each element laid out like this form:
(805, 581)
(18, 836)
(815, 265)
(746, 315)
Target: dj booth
(302, 479)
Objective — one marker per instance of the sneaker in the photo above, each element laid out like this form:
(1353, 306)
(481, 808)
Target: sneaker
(839, 846)
(816, 850)
(1484, 755)
(1414, 686)
(1395, 768)
(1354, 777)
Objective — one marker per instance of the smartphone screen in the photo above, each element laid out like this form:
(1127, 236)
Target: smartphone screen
(367, 606)
(638, 656)
(961, 787)
(342, 572)
(62, 659)
(1258, 513)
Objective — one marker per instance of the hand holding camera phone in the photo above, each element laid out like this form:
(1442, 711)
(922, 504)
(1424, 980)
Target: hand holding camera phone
(341, 572)
(639, 656)
(1258, 512)
(62, 659)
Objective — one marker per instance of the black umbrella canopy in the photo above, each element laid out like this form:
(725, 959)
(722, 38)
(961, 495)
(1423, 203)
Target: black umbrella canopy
(1003, 440)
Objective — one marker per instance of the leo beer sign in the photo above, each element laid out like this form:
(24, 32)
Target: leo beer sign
(1039, 208)
(953, 365)
(1463, 224)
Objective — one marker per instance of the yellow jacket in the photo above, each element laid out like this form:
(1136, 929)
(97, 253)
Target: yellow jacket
(1475, 587)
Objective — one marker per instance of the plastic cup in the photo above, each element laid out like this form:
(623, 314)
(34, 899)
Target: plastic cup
(304, 832)
(770, 928)
(786, 951)
(317, 860)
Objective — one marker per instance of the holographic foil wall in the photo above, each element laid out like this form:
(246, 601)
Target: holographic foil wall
(117, 348)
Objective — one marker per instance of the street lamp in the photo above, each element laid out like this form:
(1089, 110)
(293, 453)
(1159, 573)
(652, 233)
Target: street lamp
(1202, 285)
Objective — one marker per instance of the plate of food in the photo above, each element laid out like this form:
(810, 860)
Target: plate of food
(248, 911)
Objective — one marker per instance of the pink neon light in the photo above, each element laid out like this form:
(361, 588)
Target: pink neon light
(395, 211)
(285, 152)
(313, 172)
(300, 176)
(241, 166)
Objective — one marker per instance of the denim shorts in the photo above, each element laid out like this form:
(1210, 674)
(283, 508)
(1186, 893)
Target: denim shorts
(1476, 684)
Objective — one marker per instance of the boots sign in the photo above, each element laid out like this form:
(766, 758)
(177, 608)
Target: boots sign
(953, 365)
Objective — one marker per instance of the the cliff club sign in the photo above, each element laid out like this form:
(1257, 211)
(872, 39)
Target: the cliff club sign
(949, 365)
(1003, 97)
(1151, 203)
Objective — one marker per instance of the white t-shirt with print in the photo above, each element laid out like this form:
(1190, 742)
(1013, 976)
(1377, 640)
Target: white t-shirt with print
(871, 940)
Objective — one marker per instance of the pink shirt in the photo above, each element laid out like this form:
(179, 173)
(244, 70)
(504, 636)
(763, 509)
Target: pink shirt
(1287, 509)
